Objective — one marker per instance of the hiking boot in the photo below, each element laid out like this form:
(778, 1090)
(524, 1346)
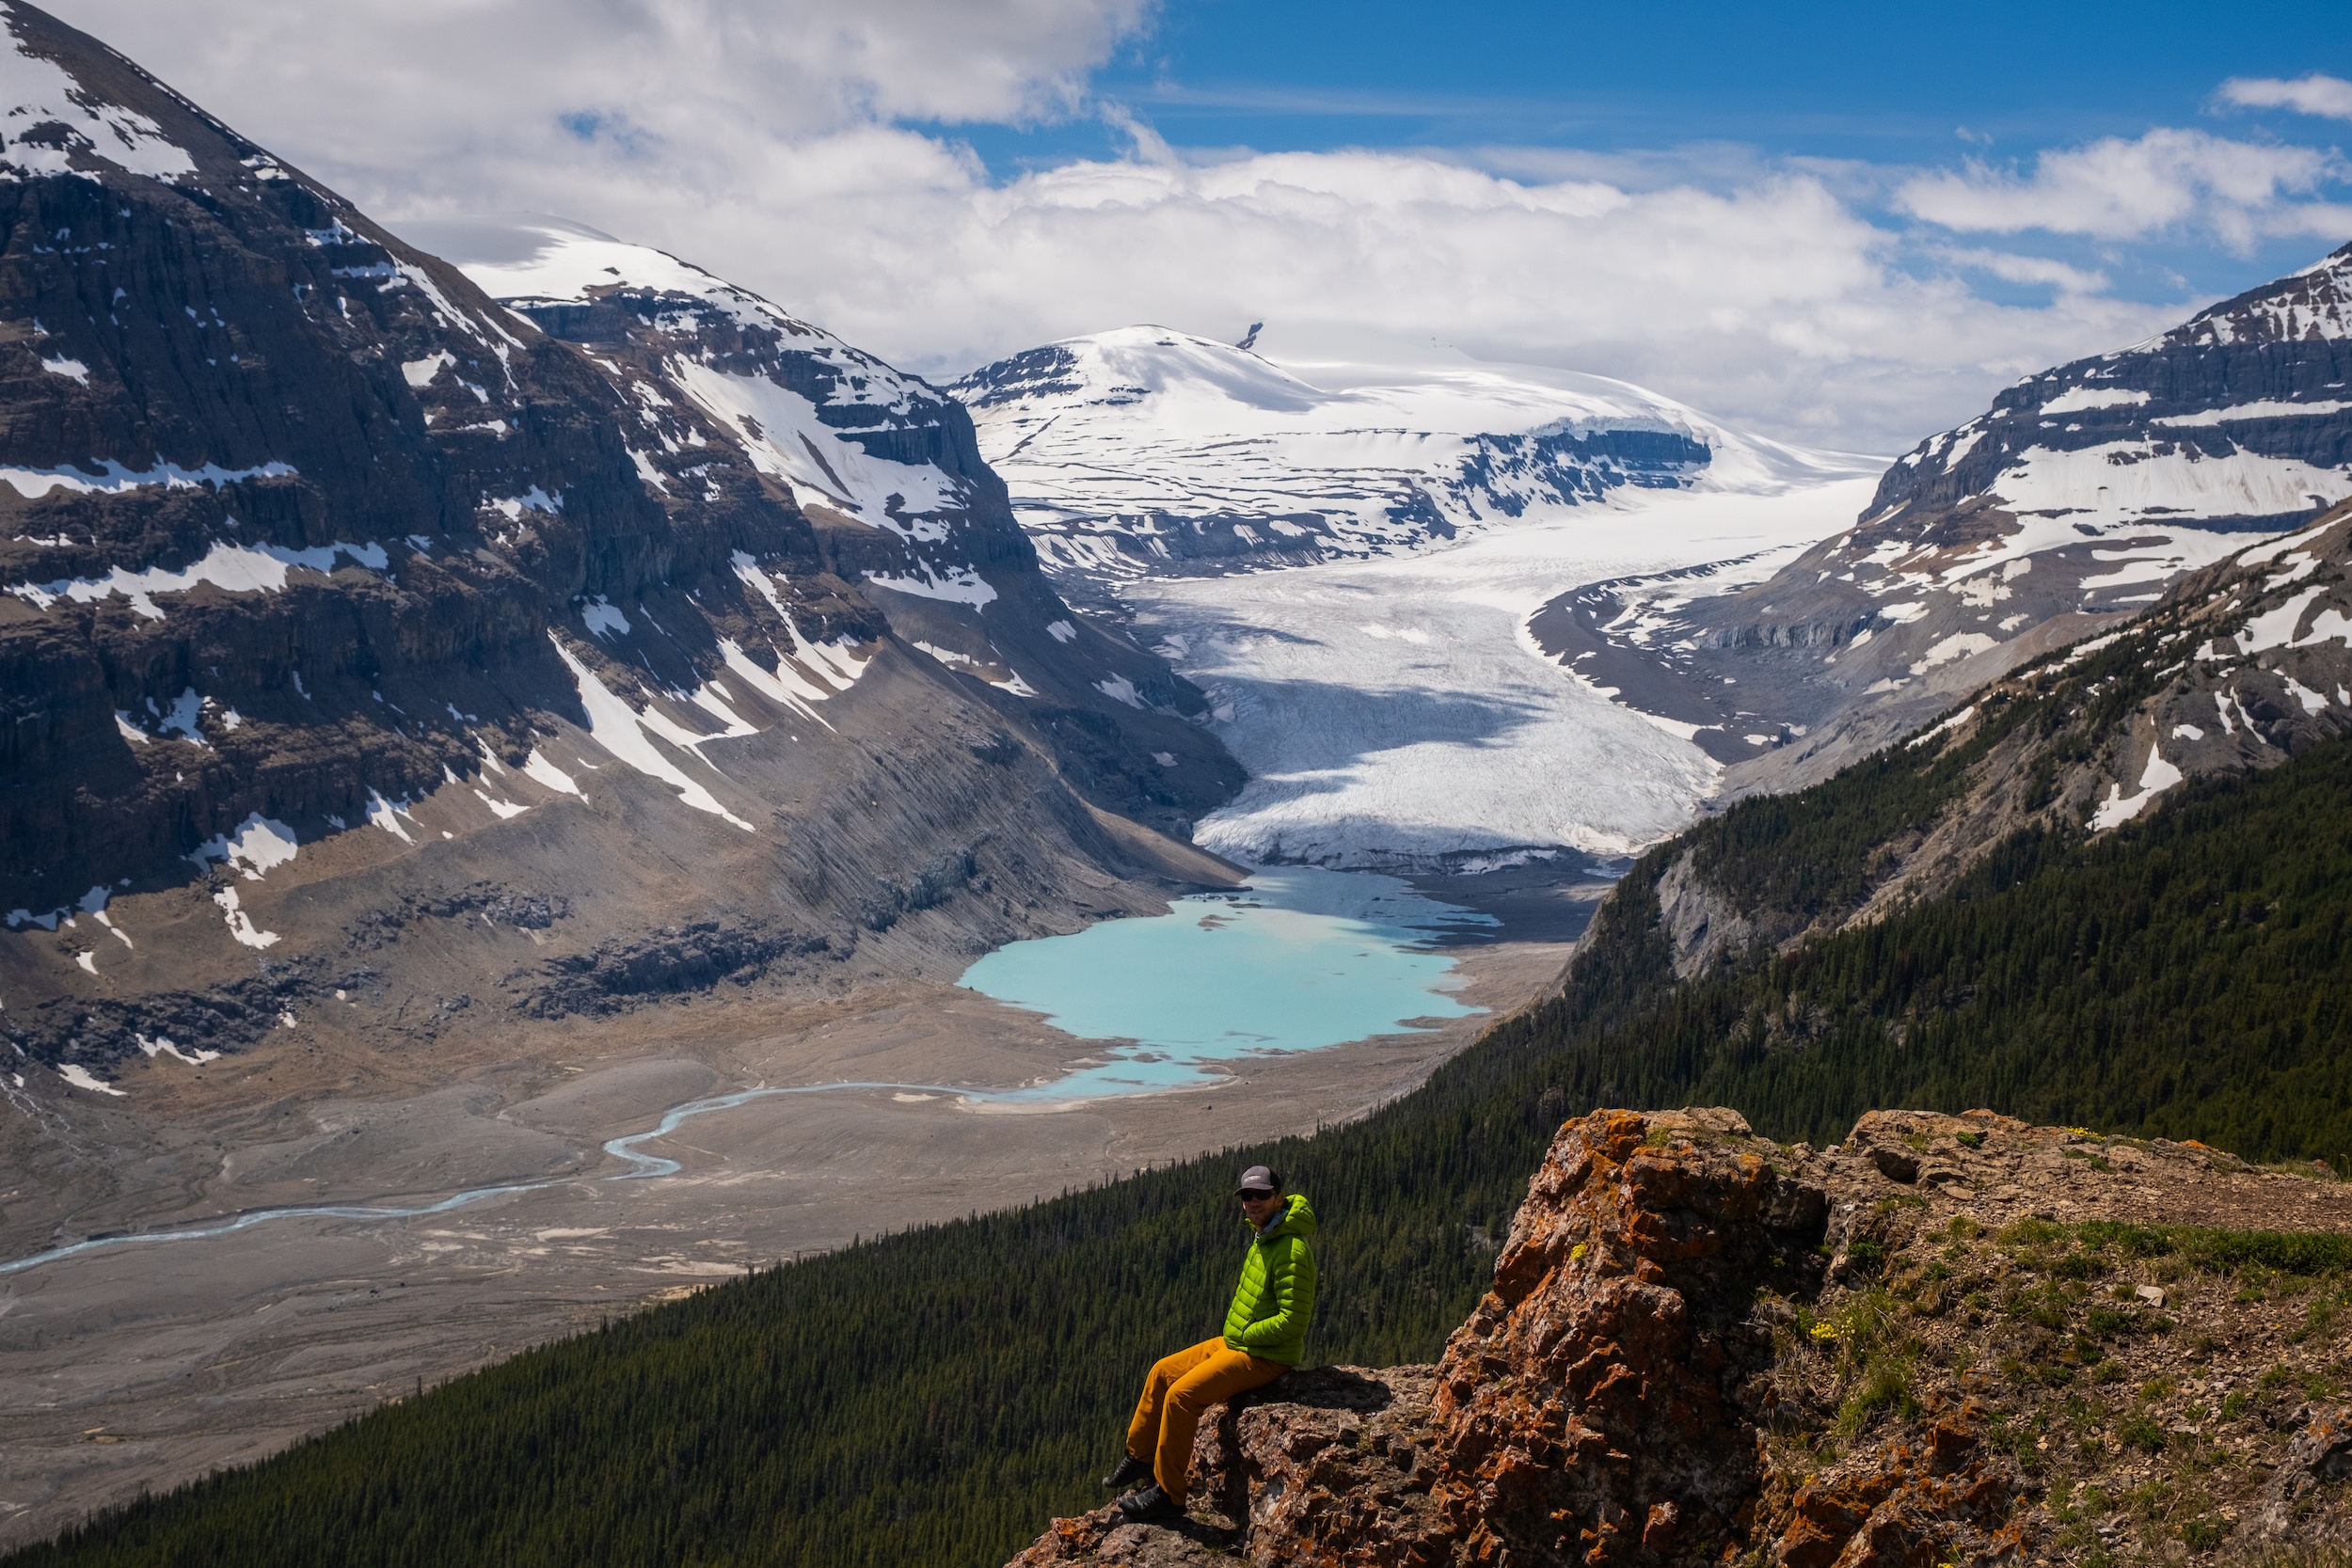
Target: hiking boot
(1130, 1471)
(1151, 1506)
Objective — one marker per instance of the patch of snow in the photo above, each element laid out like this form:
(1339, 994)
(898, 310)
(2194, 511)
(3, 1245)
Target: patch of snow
(2188, 732)
(786, 439)
(1963, 447)
(2075, 399)
(534, 500)
(180, 720)
(79, 1076)
(785, 685)
(419, 373)
(603, 619)
(2244, 413)
(628, 734)
(386, 815)
(131, 731)
(954, 584)
(1061, 632)
(2119, 481)
(1119, 688)
(1960, 644)
(258, 846)
(233, 568)
(504, 810)
(2312, 701)
(538, 768)
(72, 368)
(1946, 727)
(113, 479)
(2118, 809)
(161, 1046)
(40, 93)
(241, 923)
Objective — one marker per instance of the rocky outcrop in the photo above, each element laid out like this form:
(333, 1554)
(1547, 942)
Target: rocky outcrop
(1949, 1340)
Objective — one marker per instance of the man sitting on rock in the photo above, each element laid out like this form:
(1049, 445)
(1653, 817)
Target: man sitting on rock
(1265, 1335)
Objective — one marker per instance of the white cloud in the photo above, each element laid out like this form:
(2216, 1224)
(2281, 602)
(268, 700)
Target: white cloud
(2117, 189)
(1772, 303)
(2010, 268)
(368, 82)
(770, 142)
(2315, 94)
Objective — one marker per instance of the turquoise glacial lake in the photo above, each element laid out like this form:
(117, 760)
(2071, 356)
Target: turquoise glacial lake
(1299, 959)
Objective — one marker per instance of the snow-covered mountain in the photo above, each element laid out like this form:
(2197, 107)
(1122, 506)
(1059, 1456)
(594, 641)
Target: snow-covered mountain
(2073, 502)
(388, 667)
(1148, 453)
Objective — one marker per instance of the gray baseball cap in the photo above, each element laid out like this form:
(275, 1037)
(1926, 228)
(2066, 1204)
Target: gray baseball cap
(1257, 1179)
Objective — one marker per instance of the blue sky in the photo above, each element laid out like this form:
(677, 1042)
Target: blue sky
(1839, 224)
(1710, 92)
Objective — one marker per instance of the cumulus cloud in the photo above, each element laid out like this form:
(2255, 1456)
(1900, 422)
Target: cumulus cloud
(1771, 303)
(2117, 189)
(371, 83)
(2315, 94)
(795, 148)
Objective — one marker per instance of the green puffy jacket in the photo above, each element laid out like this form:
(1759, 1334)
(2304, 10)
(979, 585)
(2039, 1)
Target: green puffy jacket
(1277, 1294)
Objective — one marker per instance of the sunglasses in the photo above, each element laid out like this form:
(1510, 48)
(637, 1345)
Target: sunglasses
(1254, 1194)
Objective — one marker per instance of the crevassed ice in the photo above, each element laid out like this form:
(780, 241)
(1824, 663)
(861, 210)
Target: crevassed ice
(236, 568)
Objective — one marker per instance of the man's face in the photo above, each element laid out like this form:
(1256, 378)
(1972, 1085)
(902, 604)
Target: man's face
(1259, 1206)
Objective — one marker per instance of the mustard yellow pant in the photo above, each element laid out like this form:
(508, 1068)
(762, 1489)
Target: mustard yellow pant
(1180, 1388)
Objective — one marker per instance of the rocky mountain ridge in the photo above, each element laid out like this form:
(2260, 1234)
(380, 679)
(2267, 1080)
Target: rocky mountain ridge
(2241, 666)
(334, 594)
(2075, 501)
(1948, 1339)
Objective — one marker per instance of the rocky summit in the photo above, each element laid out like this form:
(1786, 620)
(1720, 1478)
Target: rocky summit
(377, 652)
(1949, 1339)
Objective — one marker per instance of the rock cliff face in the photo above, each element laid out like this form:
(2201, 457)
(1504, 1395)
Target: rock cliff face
(1949, 1340)
(332, 592)
(2075, 500)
